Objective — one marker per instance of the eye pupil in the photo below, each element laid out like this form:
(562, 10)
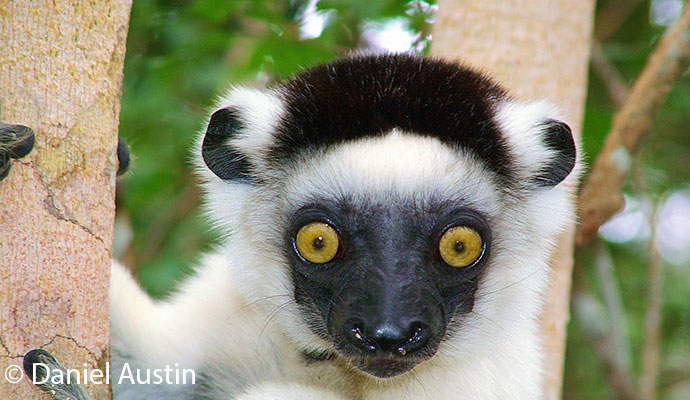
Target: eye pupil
(317, 242)
(460, 246)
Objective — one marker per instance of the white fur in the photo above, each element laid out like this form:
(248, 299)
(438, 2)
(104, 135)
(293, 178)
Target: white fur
(236, 321)
(288, 392)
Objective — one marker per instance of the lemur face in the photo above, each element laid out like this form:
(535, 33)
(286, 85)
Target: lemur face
(381, 279)
(392, 197)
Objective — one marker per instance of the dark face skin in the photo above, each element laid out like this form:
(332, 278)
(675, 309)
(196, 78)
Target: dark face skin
(385, 301)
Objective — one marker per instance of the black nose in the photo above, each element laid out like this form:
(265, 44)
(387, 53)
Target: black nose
(399, 339)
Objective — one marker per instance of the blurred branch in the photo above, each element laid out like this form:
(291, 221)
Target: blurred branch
(652, 322)
(649, 376)
(672, 377)
(593, 321)
(185, 203)
(616, 315)
(600, 197)
(648, 382)
(618, 90)
(612, 16)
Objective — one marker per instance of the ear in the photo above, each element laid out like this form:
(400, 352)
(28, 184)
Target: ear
(541, 145)
(217, 150)
(557, 139)
(240, 132)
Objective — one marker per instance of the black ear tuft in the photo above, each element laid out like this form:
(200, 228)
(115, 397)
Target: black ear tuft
(559, 139)
(220, 157)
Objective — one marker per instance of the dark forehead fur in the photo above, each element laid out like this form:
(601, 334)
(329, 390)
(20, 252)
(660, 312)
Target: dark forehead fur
(365, 96)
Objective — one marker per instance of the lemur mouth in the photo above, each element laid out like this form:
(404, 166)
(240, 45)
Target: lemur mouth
(384, 367)
(381, 359)
(377, 366)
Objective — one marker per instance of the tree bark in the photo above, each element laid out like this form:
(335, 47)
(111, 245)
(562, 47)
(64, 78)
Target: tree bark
(61, 74)
(537, 49)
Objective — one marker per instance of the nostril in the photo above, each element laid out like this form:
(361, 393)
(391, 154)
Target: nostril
(419, 335)
(354, 332)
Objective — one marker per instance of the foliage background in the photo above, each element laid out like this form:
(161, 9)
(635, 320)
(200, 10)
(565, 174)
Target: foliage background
(182, 54)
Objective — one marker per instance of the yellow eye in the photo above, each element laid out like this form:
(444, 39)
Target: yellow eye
(460, 246)
(317, 242)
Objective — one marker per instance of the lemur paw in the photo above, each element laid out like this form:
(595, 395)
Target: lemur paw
(122, 156)
(39, 365)
(16, 141)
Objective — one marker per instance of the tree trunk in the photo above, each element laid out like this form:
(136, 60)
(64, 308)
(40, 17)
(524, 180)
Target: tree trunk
(538, 49)
(61, 74)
